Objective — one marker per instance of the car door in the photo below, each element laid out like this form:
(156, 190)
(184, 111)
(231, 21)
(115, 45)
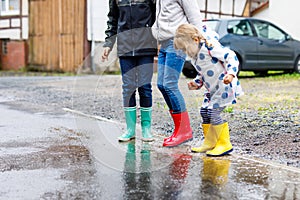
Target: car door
(273, 48)
(241, 39)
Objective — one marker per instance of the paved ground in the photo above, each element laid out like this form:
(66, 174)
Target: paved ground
(51, 147)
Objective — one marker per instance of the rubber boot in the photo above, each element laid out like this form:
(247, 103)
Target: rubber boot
(210, 139)
(223, 145)
(175, 130)
(146, 124)
(130, 116)
(184, 130)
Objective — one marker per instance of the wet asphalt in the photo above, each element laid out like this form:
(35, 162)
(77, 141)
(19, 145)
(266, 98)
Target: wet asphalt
(55, 150)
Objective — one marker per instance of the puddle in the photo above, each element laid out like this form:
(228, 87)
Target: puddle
(43, 157)
(182, 175)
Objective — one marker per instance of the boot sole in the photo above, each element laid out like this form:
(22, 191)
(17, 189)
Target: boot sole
(126, 140)
(147, 139)
(223, 154)
(181, 142)
(200, 151)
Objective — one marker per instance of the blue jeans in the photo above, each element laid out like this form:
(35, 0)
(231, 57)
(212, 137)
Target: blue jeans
(170, 64)
(137, 73)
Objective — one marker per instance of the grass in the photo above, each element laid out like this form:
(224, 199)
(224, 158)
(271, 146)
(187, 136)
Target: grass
(274, 93)
(272, 75)
(22, 72)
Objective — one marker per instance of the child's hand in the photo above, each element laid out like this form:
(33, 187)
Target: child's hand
(192, 85)
(105, 53)
(228, 78)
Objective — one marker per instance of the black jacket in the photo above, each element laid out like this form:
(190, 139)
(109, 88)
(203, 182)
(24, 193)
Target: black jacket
(130, 21)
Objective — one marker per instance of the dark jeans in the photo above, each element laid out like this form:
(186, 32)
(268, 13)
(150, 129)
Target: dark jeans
(137, 72)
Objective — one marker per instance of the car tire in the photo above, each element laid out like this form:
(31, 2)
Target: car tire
(297, 65)
(189, 70)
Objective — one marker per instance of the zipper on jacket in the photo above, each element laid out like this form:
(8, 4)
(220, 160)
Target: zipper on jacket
(159, 11)
(130, 4)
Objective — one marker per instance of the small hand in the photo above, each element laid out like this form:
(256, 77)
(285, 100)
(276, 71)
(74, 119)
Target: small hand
(192, 85)
(105, 53)
(228, 78)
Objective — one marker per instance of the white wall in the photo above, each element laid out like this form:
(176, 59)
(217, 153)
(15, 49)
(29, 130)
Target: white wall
(284, 15)
(97, 18)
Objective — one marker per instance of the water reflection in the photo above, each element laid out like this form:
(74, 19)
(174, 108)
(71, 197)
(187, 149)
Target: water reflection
(179, 168)
(190, 177)
(136, 175)
(175, 178)
(215, 170)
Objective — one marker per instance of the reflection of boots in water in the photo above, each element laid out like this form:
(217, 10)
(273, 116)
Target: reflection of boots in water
(215, 170)
(145, 157)
(129, 173)
(130, 157)
(180, 166)
(144, 177)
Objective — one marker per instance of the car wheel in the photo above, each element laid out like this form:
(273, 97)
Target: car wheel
(297, 65)
(240, 63)
(189, 70)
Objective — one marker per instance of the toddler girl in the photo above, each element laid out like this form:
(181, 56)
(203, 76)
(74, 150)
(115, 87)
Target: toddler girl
(217, 68)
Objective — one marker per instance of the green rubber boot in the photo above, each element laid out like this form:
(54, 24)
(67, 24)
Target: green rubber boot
(130, 116)
(146, 124)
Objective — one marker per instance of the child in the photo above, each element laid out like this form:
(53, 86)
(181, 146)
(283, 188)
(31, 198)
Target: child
(217, 69)
(129, 24)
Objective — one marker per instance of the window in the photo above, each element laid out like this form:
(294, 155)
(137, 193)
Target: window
(10, 7)
(268, 31)
(239, 27)
(4, 47)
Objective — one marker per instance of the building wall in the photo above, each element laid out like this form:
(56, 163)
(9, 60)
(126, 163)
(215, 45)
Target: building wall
(56, 35)
(13, 54)
(15, 27)
(226, 7)
(97, 19)
(13, 36)
(282, 16)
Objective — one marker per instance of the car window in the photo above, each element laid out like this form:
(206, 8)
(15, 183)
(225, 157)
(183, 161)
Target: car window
(239, 27)
(268, 31)
(213, 24)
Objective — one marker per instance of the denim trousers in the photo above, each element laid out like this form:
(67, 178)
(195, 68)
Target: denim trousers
(137, 72)
(170, 64)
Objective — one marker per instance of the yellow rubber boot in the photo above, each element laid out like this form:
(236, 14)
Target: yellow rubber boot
(210, 139)
(223, 145)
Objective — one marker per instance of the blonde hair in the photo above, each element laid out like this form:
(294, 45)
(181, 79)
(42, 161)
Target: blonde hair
(185, 34)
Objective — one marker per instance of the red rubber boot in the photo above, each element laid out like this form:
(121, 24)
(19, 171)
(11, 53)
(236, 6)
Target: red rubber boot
(183, 131)
(175, 130)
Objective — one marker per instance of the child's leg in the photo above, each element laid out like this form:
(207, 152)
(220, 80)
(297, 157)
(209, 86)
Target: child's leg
(205, 120)
(215, 116)
(205, 116)
(221, 131)
(209, 138)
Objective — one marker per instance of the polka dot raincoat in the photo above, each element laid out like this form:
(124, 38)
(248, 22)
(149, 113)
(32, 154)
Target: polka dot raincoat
(212, 63)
